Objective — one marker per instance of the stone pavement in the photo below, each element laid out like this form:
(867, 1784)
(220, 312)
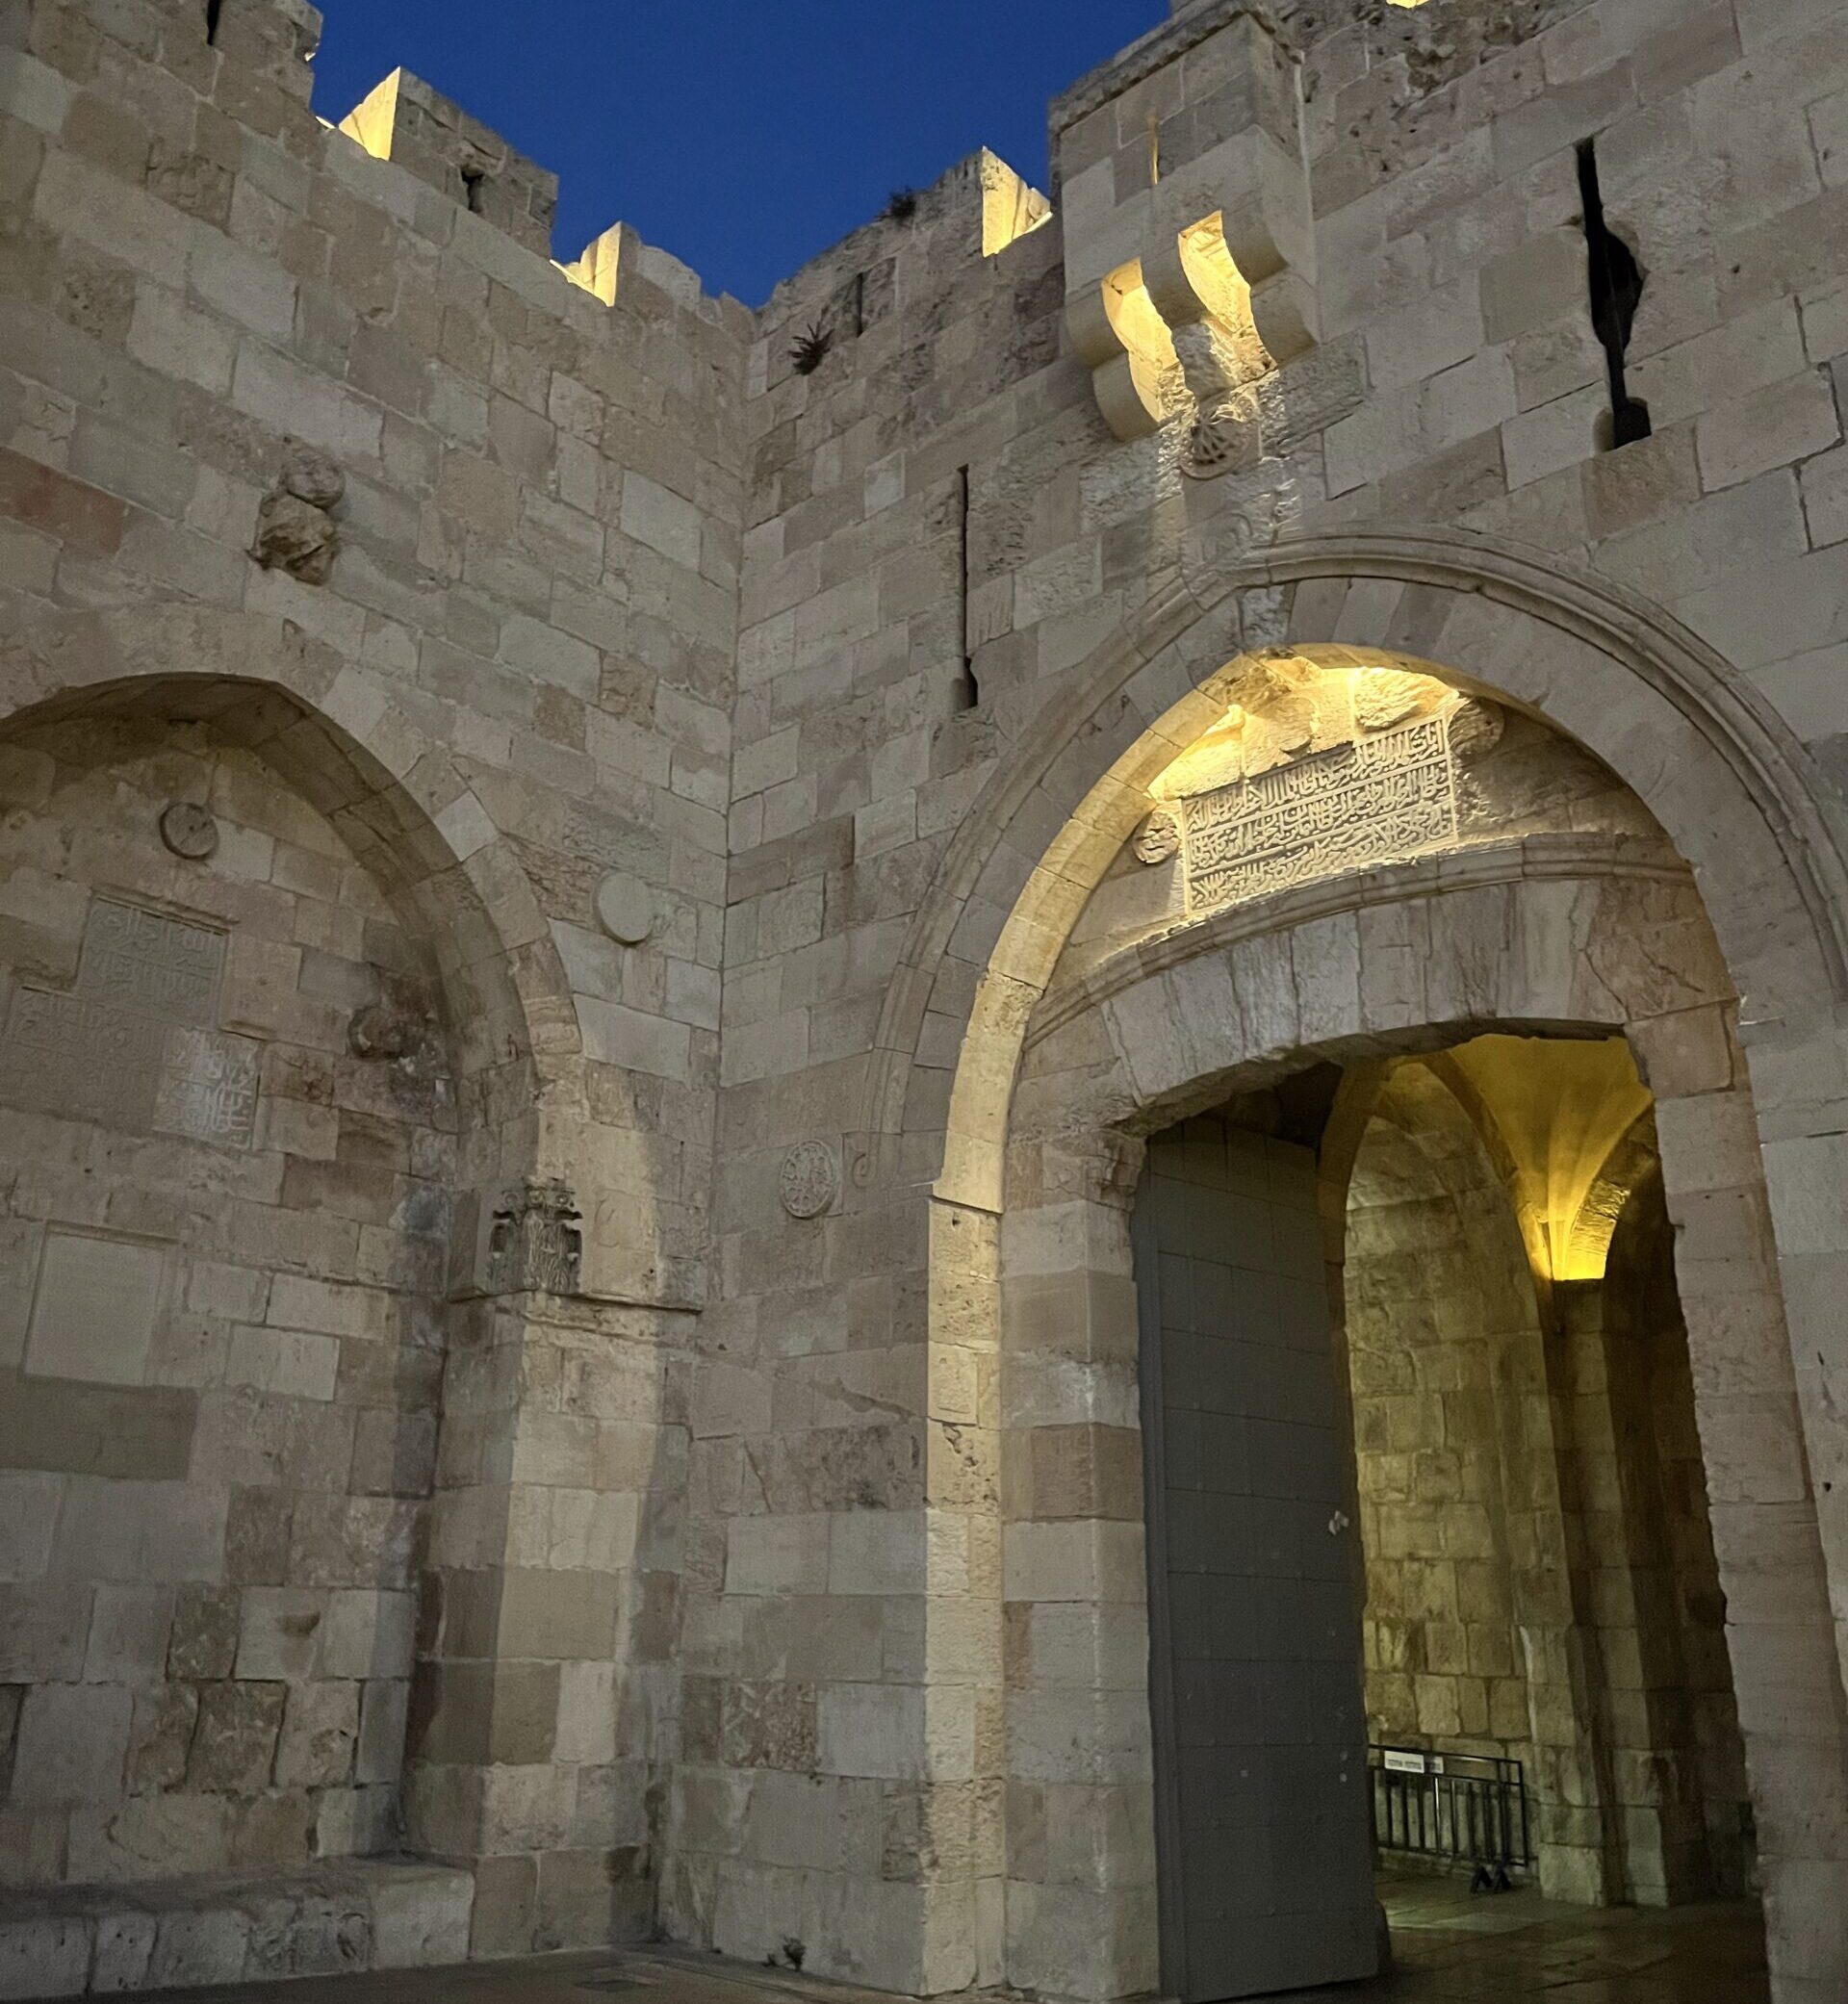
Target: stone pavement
(1449, 1947)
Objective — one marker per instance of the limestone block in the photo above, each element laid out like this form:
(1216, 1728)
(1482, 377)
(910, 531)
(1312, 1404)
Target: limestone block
(128, 1634)
(383, 1710)
(421, 1918)
(199, 1948)
(95, 1309)
(44, 1958)
(777, 1555)
(161, 1738)
(123, 1952)
(872, 1730)
(279, 1636)
(28, 1516)
(234, 1748)
(319, 1728)
(1789, 420)
(72, 1744)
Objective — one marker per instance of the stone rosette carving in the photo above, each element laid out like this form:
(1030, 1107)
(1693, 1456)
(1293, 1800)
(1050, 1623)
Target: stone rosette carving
(809, 1183)
(536, 1241)
(189, 830)
(1223, 438)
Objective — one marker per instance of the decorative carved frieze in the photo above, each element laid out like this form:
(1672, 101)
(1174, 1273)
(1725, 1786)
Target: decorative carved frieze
(1342, 810)
(1312, 775)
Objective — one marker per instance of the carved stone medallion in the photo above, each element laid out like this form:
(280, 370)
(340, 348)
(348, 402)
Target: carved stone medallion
(624, 907)
(189, 830)
(811, 1179)
(1223, 438)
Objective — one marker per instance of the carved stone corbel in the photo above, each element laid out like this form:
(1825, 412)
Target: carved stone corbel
(1182, 292)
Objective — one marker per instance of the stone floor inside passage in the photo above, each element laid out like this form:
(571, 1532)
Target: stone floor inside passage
(1447, 1947)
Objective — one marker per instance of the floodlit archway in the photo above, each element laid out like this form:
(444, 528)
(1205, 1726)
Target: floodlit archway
(1096, 1024)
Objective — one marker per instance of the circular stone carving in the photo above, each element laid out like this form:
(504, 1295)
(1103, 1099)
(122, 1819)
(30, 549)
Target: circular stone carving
(189, 830)
(1223, 439)
(624, 907)
(1159, 839)
(811, 1179)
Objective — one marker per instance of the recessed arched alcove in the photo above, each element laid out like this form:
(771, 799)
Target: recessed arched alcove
(252, 1023)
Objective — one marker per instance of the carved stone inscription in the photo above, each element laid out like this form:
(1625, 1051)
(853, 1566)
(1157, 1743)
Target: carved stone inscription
(148, 962)
(1346, 809)
(135, 1045)
(208, 1088)
(89, 1061)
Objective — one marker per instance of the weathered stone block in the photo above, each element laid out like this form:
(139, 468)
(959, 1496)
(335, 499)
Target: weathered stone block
(234, 1747)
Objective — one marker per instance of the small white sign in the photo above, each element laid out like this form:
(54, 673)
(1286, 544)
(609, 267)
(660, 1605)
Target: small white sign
(1406, 1764)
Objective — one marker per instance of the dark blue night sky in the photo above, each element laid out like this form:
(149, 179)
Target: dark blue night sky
(740, 134)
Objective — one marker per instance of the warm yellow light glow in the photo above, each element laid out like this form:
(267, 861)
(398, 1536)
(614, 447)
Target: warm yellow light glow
(1290, 705)
(1148, 347)
(1010, 207)
(372, 120)
(1563, 1111)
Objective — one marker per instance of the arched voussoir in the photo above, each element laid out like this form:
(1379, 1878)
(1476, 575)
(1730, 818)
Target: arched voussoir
(1737, 796)
(1406, 963)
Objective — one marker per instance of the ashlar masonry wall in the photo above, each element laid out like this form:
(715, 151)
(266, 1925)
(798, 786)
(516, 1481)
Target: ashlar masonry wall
(1417, 360)
(404, 562)
(699, 718)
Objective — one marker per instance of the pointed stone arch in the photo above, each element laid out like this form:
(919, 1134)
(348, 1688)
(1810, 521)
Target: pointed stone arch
(1740, 797)
(345, 737)
(1751, 821)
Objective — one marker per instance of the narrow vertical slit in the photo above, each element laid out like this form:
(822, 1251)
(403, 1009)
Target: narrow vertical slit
(471, 180)
(214, 12)
(969, 695)
(1616, 289)
(860, 304)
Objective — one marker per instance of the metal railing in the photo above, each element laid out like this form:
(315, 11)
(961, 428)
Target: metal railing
(1466, 1810)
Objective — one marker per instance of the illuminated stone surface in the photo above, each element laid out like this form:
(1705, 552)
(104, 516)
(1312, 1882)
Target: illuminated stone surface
(1184, 649)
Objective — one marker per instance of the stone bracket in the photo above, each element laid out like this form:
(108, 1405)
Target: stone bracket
(1190, 241)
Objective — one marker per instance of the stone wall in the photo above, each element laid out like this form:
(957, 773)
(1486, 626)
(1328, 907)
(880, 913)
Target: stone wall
(226, 1239)
(1540, 1578)
(335, 508)
(1443, 1335)
(851, 659)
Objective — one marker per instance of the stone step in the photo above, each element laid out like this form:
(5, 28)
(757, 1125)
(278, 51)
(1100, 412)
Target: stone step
(336, 1918)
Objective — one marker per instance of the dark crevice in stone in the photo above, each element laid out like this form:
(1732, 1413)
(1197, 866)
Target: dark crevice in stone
(1617, 281)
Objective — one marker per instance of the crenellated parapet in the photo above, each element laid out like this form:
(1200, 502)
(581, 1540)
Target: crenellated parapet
(405, 122)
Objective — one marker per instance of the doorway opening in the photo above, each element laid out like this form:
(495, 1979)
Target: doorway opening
(1432, 1582)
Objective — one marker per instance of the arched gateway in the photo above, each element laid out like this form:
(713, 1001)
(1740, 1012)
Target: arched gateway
(1323, 852)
